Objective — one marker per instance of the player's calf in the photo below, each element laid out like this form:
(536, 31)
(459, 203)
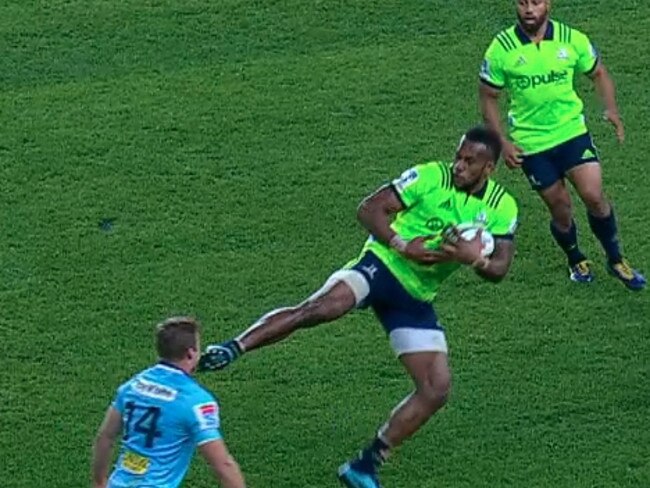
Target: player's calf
(430, 372)
(434, 396)
(406, 419)
(415, 410)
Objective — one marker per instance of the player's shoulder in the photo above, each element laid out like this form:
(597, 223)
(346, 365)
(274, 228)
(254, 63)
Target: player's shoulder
(503, 42)
(432, 173)
(132, 383)
(124, 388)
(163, 384)
(126, 391)
(202, 407)
(564, 33)
(498, 198)
(192, 401)
(439, 171)
(149, 384)
(198, 394)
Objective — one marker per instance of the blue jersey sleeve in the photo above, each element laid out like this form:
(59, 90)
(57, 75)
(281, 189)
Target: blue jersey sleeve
(203, 418)
(118, 401)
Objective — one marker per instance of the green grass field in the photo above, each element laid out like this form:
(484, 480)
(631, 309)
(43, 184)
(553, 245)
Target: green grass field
(230, 143)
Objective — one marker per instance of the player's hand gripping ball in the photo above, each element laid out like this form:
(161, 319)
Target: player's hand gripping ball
(468, 231)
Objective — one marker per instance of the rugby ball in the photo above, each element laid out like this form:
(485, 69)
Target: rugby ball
(468, 232)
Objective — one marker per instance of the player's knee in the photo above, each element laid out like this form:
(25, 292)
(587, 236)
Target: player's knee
(562, 215)
(435, 392)
(562, 224)
(596, 203)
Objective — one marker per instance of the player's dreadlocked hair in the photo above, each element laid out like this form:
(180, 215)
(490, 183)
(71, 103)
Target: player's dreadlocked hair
(487, 137)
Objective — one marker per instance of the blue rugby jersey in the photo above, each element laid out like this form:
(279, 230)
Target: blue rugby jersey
(165, 415)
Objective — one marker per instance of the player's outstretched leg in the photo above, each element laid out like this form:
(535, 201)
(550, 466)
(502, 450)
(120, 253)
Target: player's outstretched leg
(430, 372)
(587, 179)
(564, 231)
(339, 295)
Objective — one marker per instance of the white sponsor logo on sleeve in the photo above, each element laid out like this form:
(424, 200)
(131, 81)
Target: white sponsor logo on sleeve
(485, 69)
(407, 178)
(513, 226)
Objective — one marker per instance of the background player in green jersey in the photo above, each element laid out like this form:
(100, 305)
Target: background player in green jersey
(535, 60)
(398, 273)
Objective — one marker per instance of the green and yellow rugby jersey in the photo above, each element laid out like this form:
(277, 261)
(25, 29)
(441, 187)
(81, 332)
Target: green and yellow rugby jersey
(432, 204)
(545, 109)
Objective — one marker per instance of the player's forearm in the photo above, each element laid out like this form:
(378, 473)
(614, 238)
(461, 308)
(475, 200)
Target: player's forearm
(376, 212)
(496, 267)
(376, 220)
(606, 90)
(489, 105)
(229, 474)
(493, 270)
(101, 460)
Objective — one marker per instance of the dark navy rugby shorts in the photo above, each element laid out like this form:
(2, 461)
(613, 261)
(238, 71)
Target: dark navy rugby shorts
(393, 305)
(545, 168)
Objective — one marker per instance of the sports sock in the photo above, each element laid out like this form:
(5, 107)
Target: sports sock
(235, 347)
(604, 228)
(568, 242)
(372, 457)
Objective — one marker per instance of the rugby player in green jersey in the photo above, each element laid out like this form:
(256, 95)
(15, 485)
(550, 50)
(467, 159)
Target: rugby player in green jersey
(398, 273)
(535, 61)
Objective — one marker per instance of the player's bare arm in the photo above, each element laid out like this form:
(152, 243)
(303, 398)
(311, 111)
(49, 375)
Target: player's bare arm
(223, 464)
(468, 252)
(376, 213)
(489, 104)
(607, 93)
(497, 266)
(103, 447)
